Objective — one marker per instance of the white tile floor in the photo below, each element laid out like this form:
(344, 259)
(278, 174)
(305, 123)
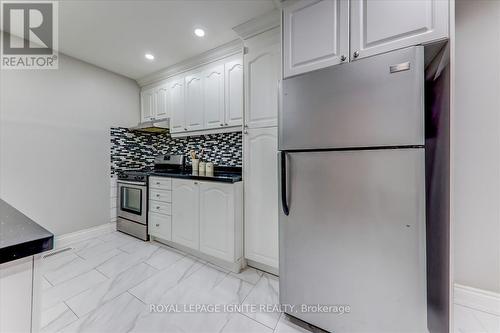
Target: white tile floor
(468, 320)
(107, 283)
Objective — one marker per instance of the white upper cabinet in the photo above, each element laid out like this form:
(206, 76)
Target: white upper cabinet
(322, 33)
(154, 103)
(147, 104)
(262, 74)
(213, 96)
(185, 212)
(194, 102)
(315, 35)
(209, 99)
(233, 76)
(385, 25)
(161, 95)
(176, 92)
(217, 220)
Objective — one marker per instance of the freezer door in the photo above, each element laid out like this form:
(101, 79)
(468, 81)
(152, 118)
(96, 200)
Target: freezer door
(377, 101)
(355, 235)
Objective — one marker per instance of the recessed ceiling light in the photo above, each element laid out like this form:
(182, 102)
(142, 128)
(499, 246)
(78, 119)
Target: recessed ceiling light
(149, 56)
(199, 32)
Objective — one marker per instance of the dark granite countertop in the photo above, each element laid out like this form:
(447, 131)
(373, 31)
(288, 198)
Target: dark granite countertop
(221, 174)
(20, 236)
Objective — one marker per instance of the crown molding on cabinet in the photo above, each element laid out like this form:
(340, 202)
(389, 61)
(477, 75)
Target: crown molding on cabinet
(220, 52)
(259, 24)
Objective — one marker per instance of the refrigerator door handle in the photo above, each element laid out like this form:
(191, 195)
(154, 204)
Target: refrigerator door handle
(284, 203)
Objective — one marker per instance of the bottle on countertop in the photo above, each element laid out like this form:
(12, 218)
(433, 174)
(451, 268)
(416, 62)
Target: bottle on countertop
(201, 168)
(209, 169)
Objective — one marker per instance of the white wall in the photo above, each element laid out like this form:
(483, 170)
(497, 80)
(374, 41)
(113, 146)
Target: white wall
(477, 145)
(55, 142)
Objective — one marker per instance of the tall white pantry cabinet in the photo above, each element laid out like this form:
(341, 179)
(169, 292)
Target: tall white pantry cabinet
(262, 63)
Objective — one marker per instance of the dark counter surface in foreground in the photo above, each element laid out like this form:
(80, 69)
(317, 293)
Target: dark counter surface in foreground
(20, 236)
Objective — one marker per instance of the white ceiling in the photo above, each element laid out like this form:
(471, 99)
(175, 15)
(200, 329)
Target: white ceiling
(115, 34)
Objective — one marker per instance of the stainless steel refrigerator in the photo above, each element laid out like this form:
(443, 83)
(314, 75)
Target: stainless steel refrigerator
(352, 182)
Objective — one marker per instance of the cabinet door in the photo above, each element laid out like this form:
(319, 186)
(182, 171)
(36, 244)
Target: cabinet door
(147, 104)
(233, 75)
(161, 96)
(185, 213)
(213, 96)
(385, 25)
(315, 35)
(176, 90)
(217, 220)
(160, 225)
(16, 287)
(194, 102)
(261, 195)
(262, 72)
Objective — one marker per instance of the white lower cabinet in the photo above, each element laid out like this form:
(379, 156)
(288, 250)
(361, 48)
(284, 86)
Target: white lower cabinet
(185, 213)
(217, 220)
(160, 225)
(16, 287)
(160, 208)
(261, 196)
(207, 218)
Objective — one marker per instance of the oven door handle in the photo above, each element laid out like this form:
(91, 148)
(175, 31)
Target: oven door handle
(131, 183)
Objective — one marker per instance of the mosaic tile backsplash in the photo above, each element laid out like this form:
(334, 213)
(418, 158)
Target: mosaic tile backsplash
(135, 150)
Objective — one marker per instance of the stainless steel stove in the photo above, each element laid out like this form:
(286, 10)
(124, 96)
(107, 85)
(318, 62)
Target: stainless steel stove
(132, 214)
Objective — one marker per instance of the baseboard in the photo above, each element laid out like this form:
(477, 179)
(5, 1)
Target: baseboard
(234, 267)
(477, 299)
(263, 267)
(80, 235)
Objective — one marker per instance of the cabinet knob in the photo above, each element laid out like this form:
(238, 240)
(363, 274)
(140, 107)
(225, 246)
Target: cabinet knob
(343, 58)
(157, 195)
(185, 129)
(356, 54)
(157, 224)
(245, 132)
(221, 125)
(157, 183)
(157, 207)
(196, 183)
(226, 124)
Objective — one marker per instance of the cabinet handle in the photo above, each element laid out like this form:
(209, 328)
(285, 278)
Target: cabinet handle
(245, 127)
(356, 54)
(157, 224)
(157, 183)
(245, 132)
(221, 125)
(157, 207)
(157, 195)
(185, 129)
(226, 124)
(343, 58)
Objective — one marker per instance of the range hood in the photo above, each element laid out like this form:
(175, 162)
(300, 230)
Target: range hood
(154, 126)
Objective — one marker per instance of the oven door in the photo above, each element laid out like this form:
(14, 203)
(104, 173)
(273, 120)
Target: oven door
(132, 204)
